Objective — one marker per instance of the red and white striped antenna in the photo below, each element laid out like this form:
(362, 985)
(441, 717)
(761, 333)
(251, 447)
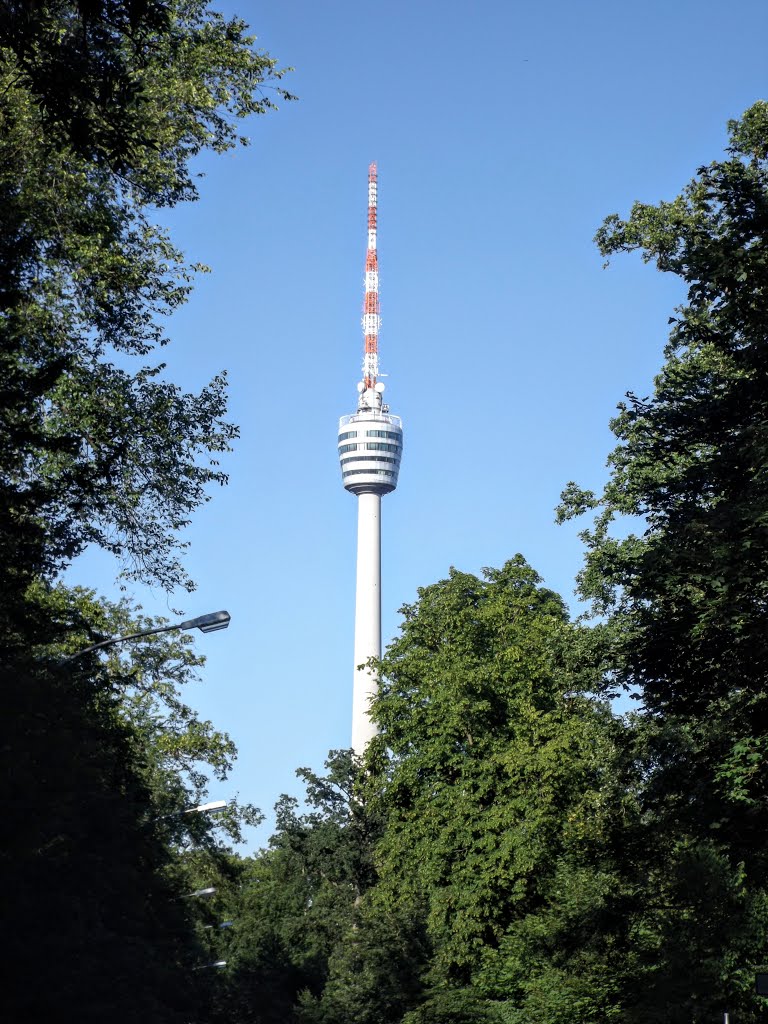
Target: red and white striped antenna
(371, 318)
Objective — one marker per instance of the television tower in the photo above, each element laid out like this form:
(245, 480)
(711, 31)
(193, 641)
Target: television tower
(370, 445)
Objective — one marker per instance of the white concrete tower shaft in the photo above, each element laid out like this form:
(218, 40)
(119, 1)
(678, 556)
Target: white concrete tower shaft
(370, 444)
(367, 616)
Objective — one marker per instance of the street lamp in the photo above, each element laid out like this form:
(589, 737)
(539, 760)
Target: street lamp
(211, 808)
(215, 805)
(205, 623)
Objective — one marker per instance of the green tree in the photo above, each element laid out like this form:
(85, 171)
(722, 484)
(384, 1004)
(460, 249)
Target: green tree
(375, 968)
(177, 753)
(91, 905)
(500, 783)
(101, 758)
(686, 592)
(103, 105)
(299, 899)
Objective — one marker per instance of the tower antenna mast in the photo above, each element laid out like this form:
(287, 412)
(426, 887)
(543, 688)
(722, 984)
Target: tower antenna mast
(371, 313)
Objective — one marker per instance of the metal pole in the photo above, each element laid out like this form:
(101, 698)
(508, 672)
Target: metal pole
(119, 640)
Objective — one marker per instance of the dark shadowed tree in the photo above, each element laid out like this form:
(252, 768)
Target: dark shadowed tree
(103, 106)
(102, 760)
(686, 594)
(299, 899)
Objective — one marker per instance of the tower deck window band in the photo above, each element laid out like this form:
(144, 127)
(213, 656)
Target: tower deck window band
(379, 446)
(369, 458)
(382, 433)
(348, 433)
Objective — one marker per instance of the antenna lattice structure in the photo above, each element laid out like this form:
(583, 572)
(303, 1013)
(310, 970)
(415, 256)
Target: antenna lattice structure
(371, 314)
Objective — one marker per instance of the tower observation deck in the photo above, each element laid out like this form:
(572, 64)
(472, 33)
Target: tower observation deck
(370, 444)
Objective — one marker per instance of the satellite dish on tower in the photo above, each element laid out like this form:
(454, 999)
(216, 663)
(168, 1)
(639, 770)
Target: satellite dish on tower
(380, 387)
(360, 386)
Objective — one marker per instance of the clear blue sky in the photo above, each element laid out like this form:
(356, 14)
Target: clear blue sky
(504, 133)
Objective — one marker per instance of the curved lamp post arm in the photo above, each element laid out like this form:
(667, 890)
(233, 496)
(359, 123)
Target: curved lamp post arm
(210, 808)
(205, 623)
(118, 640)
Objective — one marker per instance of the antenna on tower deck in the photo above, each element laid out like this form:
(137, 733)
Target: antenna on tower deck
(371, 318)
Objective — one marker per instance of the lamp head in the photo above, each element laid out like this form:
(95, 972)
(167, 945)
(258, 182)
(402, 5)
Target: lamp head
(208, 623)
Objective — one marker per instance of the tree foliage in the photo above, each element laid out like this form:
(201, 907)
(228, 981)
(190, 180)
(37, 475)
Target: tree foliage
(686, 596)
(92, 900)
(690, 593)
(103, 105)
(501, 786)
(300, 901)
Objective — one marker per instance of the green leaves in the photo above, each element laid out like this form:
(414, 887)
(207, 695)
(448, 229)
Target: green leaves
(499, 763)
(101, 109)
(103, 103)
(140, 89)
(689, 458)
(686, 600)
